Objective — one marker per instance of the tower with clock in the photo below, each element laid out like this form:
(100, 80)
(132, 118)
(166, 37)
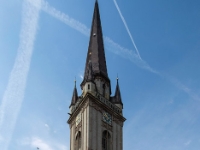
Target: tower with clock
(96, 118)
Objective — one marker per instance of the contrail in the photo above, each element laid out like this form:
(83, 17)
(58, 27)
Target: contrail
(143, 64)
(134, 57)
(65, 18)
(14, 93)
(183, 87)
(126, 26)
(128, 54)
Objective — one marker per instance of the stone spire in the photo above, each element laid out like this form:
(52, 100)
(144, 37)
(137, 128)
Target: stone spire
(74, 96)
(96, 54)
(117, 97)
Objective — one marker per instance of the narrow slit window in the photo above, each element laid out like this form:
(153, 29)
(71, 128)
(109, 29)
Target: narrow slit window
(106, 140)
(78, 141)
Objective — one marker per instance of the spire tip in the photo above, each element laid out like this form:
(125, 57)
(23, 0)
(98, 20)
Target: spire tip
(75, 81)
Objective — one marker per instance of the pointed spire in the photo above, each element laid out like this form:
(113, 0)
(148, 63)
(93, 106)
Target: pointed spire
(118, 99)
(74, 96)
(96, 54)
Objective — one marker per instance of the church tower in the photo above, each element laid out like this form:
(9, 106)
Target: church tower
(96, 118)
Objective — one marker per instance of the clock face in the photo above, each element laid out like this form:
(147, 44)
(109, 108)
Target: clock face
(78, 119)
(107, 118)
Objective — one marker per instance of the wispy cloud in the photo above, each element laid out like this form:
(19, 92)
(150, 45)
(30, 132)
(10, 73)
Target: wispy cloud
(42, 144)
(184, 88)
(187, 143)
(47, 126)
(81, 76)
(37, 142)
(14, 93)
(24, 141)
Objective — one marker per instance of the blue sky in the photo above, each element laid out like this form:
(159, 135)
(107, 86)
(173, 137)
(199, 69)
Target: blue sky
(153, 46)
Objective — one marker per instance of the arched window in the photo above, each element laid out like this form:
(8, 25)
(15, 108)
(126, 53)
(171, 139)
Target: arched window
(78, 141)
(106, 141)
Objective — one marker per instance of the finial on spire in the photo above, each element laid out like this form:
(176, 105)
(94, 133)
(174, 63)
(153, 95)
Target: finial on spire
(117, 78)
(75, 81)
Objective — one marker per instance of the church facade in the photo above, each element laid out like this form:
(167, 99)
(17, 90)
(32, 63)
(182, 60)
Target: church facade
(96, 118)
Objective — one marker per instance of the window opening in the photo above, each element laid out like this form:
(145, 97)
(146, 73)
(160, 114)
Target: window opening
(106, 141)
(78, 141)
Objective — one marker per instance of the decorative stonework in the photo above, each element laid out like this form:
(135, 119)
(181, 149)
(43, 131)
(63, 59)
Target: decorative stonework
(85, 105)
(108, 103)
(95, 106)
(78, 119)
(78, 127)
